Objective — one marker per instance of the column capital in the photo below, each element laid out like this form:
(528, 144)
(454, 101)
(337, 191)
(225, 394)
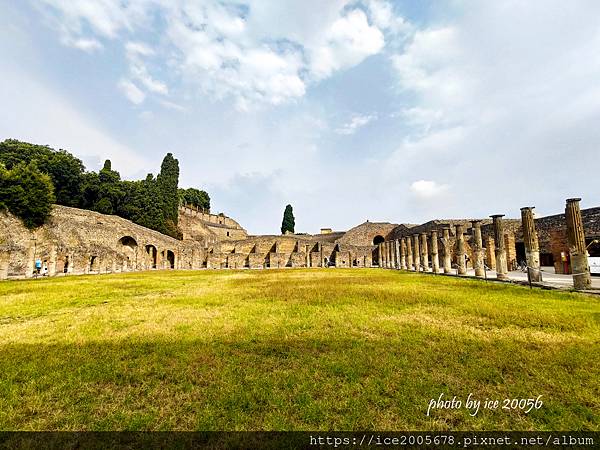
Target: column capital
(527, 208)
(497, 216)
(573, 200)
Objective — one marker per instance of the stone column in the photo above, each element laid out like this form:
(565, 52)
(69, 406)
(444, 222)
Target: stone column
(435, 262)
(500, 249)
(52, 262)
(446, 246)
(380, 254)
(390, 255)
(580, 266)
(403, 253)
(409, 255)
(398, 258)
(386, 254)
(416, 252)
(385, 260)
(424, 253)
(478, 263)
(460, 250)
(532, 246)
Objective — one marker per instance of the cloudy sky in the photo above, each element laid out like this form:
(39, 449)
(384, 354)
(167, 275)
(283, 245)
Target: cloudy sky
(398, 111)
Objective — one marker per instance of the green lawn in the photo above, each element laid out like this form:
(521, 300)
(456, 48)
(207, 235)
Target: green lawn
(292, 350)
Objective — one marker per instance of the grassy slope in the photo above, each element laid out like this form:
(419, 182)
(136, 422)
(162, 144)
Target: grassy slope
(292, 349)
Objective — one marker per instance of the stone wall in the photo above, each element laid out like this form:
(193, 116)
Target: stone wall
(365, 233)
(260, 252)
(209, 228)
(76, 241)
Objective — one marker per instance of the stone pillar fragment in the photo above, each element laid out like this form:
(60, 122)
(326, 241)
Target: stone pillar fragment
(435, 262)
(385, 255)
(532, 246)
(409, 255)
(500, 248)
(416, 252)
(446, 246)
(478, 262)
(460, 250)
(575, 235)
(424, 253)
(403, 253)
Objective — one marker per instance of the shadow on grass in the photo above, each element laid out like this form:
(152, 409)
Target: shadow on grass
(296, 384)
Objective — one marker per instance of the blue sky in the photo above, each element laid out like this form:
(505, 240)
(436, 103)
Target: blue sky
(349, 110)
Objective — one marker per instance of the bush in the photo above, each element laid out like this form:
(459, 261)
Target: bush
(27, 193)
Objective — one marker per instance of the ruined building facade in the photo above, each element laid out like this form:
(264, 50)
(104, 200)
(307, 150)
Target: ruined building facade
(77, 241)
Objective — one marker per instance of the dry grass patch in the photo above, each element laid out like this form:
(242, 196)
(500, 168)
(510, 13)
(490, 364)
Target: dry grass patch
(291, 349)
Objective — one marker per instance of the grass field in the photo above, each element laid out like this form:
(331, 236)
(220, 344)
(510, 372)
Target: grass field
(290, 350)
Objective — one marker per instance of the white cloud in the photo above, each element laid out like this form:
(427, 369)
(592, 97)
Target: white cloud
(357, 122)
(382, 15)
(138, 71)
(349, 41)
(131, 91)
(498, 109)
(87, 45)
(251, 52)
(427, 189)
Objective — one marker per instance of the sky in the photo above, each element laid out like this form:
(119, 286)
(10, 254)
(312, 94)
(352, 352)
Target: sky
(380, 110)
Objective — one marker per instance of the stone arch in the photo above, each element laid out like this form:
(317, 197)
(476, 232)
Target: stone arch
(152, 253)
(170, 259)
(378, 239)
(128, 247)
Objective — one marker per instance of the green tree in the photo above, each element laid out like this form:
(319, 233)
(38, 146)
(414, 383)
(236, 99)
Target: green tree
(167, 182)
(103, 192)
(194, 197)
(27, 193)
(65, 170)
(288, 222)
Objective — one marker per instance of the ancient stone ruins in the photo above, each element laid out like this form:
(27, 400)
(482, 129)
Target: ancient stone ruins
(77, 241)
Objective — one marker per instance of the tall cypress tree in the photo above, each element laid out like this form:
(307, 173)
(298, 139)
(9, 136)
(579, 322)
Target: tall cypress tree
(168, 182)
(288, 222)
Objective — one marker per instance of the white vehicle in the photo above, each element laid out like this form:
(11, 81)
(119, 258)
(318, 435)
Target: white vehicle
(594, 264)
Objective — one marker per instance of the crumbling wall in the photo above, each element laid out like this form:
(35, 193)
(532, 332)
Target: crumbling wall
(76, 241)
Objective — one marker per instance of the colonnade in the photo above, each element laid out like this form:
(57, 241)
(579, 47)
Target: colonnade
(414, 252)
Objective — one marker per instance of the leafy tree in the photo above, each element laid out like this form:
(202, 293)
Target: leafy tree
(195, 197)
(65, 170)
(27, 193)
(288, 222)
(153, 202)
(168, 181)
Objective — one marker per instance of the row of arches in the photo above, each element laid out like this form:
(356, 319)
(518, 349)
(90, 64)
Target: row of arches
(129, 246)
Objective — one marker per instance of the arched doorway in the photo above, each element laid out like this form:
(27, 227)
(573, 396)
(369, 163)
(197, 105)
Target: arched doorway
(152, 254)
(128, 247)
(378, 239)
(170, 259)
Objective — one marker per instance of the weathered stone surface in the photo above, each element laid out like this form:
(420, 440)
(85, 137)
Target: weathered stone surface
(368, 233)
(500, 249)
(409, 254)
(577, 246)
(478, 256)
(435, 261)
(446, 245)
(403, 264)
(460, 250)
(417, 252)
(424, 252)
(209, 228)
(76, 241)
